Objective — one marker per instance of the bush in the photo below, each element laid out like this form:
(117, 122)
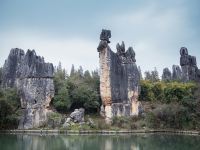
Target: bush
(101, 125)
(121, 122)
(80, 89)
(9, 106)
(133, 122)
(166, 92)
(54, 120)
(8, 118)
(168, 116)
(61, 100)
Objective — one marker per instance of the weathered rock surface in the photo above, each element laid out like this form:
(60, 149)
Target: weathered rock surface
(119, 78)
(33, 78)
(188, 71)
(167, 75)
(77, 116)
(189, 66)
(176, 73)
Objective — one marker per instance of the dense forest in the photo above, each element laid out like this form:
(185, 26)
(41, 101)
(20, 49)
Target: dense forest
(166, 104)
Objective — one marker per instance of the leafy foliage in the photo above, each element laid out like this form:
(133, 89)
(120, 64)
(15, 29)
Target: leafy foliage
(80, 89)
(9, 108)
(166, 92)
(152, 75)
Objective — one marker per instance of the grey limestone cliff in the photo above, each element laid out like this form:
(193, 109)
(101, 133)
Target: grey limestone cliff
(188, 70)
(119, 79)
(33, 79)
(188, 65)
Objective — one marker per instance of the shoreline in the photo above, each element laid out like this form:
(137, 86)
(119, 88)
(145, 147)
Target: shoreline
(109, 132)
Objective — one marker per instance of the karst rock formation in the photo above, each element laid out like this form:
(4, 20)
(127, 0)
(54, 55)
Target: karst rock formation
(187, 71)
(119, 79)
(33, 79)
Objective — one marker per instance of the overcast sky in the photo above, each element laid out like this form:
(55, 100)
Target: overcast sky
(68, 30)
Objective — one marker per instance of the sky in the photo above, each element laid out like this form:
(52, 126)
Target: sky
(68, 30)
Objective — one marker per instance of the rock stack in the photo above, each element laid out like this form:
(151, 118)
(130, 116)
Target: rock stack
(33, 79)
(188, 71)
(119, 79)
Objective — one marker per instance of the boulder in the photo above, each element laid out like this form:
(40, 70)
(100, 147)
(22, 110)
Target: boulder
(78, 115)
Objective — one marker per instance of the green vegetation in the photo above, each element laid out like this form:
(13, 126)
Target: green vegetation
(166, 92)
(54, 120)
(80, 89)
(167, 105)
(9, 109)
(172, 104)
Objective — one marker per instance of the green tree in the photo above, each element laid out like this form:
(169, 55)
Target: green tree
(84, 96)
(147, 75)
(61, 99)
(80, 71)
(72, 73)
(154, 75)
(9, 108)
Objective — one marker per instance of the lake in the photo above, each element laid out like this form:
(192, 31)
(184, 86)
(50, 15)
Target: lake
(99, 142)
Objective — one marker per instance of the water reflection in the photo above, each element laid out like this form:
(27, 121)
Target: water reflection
(99, 142)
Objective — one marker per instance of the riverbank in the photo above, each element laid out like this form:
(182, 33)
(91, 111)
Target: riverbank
(44, 131)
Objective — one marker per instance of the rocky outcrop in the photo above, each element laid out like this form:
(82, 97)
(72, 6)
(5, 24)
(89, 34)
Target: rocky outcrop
(119, 79)
(176, 73)
(77, 116)
(189, 66)
(188, 71)
(33, 79)
(11, 67)
(167, 75)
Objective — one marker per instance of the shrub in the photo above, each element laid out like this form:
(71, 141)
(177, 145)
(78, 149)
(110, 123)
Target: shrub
(168, 116)
(120, 122)
(54, 120)
(166, 91)
(151, 120)
(9, 105)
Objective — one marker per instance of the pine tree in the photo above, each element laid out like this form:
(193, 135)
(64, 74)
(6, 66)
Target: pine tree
(80, 71)
(72, 71)
(154, 75)
(147, 75)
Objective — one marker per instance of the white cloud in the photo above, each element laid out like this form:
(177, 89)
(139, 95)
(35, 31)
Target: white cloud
(155, 33)
(77, 51)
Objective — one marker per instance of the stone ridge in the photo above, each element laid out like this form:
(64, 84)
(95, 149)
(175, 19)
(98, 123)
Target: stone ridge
(33, 79)
(25, 65)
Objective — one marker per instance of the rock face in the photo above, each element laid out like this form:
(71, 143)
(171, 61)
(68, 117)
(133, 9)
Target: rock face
(119, 79)
(167, 75)
(188, 71)
(33, 79)
(77, 116)
(176, 73)
(189, 66)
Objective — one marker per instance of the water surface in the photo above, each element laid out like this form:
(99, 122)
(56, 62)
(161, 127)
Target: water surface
(99, 142)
